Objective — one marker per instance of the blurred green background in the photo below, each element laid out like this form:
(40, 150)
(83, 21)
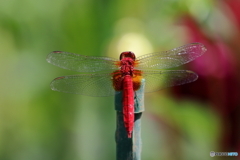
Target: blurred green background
(180, 123)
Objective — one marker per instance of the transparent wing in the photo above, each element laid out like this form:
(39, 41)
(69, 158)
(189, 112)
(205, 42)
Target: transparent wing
(171, 58)
(96, 85)
(157, 80)
(99, 85)
(81, 63)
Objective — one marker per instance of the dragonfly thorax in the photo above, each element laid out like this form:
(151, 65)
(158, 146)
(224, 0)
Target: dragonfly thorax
(127, 64)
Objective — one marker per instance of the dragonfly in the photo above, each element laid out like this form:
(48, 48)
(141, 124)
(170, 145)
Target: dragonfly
(105, 76)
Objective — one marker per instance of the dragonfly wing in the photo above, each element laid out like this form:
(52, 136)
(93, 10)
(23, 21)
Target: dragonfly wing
(96, 85)
(171, 58)
(159, 79)
(81, 63)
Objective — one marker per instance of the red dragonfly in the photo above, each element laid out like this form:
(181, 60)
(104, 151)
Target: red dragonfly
(105, 76)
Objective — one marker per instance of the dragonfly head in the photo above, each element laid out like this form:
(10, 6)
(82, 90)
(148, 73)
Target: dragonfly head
(127, 54)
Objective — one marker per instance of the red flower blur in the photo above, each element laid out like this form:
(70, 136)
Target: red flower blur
(219, 81)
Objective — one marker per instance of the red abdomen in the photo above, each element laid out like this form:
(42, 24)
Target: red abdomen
(128, 104)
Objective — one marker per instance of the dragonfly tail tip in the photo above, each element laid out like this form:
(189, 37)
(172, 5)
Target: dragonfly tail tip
(129, 134)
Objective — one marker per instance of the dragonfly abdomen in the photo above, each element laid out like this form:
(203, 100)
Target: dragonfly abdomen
(128, 104)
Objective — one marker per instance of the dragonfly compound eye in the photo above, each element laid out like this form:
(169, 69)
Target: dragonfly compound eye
(127, 54)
